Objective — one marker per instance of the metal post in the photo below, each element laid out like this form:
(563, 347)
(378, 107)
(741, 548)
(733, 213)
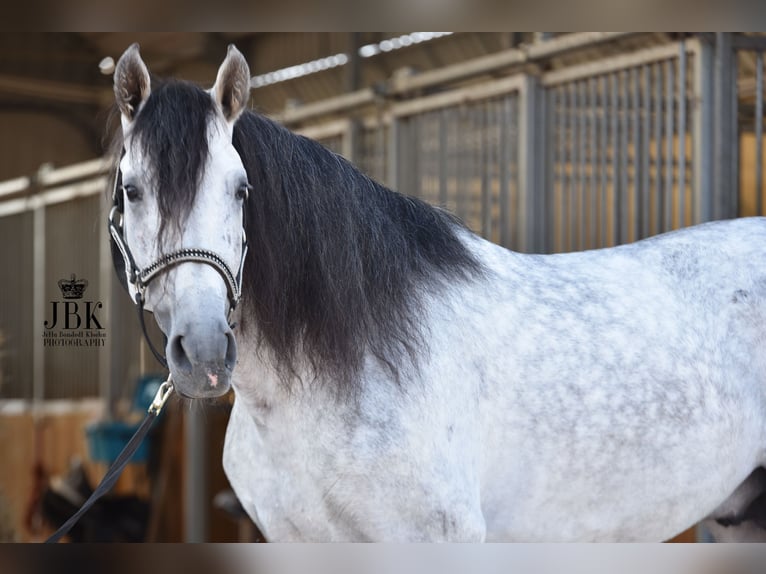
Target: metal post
(196, 499)
(623, 204)
(106, 273)
(350, 142)
(561, 161)
(759, 132)
(504, 173)
(38, 303)
(636, 160)
(733, 134)
(393, 154)
(592, 162)
(486, 195)
(575, 220)
(604, 144)
(703, 132)
(669, 159)
(615, 215)
(581, 146)
(647, 116)
(544, 169)
(528, 178)
(682, 135)
(658, 191)
(568, 188)
(723, 141)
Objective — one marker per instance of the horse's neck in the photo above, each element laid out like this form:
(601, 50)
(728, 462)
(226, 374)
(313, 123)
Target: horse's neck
(260, 387)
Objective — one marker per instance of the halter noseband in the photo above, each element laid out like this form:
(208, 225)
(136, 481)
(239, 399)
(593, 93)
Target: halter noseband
(140, 278)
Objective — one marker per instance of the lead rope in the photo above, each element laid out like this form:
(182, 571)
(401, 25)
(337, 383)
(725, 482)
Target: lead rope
(111, 476)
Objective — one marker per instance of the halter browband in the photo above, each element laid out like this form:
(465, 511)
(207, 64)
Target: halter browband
(140, 278)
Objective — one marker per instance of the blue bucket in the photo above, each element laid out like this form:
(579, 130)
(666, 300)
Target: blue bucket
(106, 439)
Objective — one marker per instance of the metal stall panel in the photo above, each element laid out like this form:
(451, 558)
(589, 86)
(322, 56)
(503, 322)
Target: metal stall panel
(56, 233)
(16, 306)
(373, 150)
(72, 242)
(621, 142)
(749, 56)
(461, 150)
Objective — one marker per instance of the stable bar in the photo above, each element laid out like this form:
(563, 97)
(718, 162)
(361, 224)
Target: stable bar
(569, 166)
(592, 163)
(614, 161)
(636, 133)
(458, 97)
(682, 135)
(645, 154)
(722, 143)
(107, 382)
(443, 148)
(733, 134)
(501, 60)
(514, 143)
(759, 132)
(603, 162)
(542, 159)
(623, 203)
(658, 167)
(669, 159)
(703, 132)
(504, 174)
(393, 154)
(486, 197)
(581, 145)
(528, 181)
(561, 163)
(339, 104)
(576, 220)
(38, 305)
(609, 65)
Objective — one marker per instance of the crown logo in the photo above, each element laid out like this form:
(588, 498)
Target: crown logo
(73, 288)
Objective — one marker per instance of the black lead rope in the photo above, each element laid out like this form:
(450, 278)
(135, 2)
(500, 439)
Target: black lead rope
(111, 476)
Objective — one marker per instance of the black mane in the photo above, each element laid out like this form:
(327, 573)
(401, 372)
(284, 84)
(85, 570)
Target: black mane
(338, 265)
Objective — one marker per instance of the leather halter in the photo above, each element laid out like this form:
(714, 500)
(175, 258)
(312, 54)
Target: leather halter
(140, 278)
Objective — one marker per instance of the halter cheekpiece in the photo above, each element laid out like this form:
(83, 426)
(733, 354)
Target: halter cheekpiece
(140, 278)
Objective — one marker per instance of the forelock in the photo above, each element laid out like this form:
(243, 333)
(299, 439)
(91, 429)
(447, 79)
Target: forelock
(171, 131)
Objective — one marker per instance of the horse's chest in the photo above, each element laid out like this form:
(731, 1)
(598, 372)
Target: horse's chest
(278, 481)
(323, 477)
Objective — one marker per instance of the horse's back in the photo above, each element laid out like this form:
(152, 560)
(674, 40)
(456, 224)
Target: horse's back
(617, 383)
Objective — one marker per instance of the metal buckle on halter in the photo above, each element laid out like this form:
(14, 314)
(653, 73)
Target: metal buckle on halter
(115, 211)
(163, 393)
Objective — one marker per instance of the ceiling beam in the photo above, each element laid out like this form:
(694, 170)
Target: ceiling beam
(57, 91)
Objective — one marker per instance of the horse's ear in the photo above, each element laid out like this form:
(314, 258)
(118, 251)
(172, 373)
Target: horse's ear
(232, 85)
(131, 83)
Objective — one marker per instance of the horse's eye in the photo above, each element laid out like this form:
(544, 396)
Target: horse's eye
(243, 191)
(132, 192)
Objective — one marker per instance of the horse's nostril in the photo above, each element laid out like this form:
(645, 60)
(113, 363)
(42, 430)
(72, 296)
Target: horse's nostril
(231, 351)
(178, 354)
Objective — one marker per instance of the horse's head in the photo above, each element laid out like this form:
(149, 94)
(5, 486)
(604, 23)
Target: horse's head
(183, 187)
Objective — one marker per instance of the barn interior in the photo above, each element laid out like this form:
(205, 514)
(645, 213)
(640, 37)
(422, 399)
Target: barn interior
(542, 142)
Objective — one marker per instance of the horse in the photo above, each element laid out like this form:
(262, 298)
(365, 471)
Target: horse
(398, 378)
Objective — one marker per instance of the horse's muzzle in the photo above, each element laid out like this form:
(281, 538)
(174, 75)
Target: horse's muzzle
(202, 365)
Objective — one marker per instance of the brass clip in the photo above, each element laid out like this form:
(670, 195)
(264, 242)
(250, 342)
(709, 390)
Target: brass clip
(161, 397)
